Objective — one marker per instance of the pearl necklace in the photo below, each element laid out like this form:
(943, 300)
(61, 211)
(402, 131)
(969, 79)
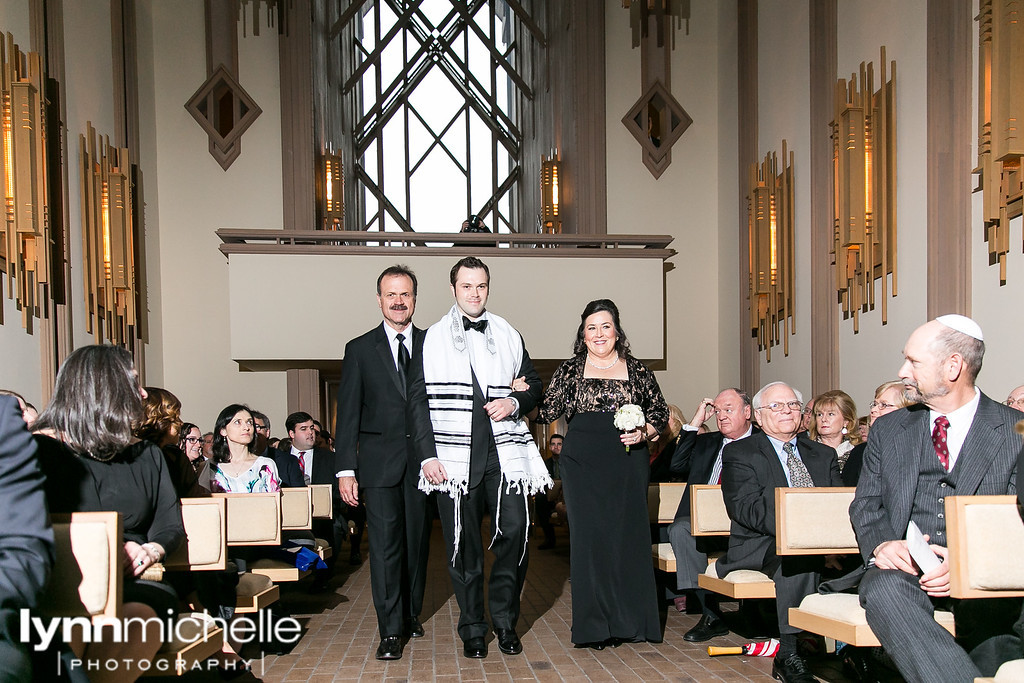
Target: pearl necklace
(602, 367)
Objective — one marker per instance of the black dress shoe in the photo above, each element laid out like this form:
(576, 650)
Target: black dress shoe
(475, 648)
(592, 646)
(508, 641)
(390, 648)
(413, 628)
(792, 669)
(707, 628)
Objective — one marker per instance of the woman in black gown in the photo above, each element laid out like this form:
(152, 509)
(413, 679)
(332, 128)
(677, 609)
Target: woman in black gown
(92, 462)
(604, 477)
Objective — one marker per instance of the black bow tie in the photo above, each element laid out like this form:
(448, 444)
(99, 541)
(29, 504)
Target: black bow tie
(479, 325)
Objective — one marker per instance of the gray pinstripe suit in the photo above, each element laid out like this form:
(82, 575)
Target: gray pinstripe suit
(898, 611)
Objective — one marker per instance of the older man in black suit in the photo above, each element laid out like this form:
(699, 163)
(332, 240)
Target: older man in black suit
(752, 469)
(955, 442)
(375, 452)
(698, 460)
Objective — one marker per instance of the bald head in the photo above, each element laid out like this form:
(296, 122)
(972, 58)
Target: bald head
(940, 366)
(1016, 398)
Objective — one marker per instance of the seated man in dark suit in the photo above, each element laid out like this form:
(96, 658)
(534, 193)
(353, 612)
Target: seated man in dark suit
(698, 460)
(26, 542)
(955, 441)
(287, 466)
(752, 469)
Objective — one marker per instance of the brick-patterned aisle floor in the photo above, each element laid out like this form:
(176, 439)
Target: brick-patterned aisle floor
(340, 637)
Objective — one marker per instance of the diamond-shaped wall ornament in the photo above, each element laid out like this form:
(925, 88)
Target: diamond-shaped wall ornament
(657, 120)
(224, 110)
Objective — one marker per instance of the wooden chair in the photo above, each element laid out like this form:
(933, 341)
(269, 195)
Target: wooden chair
(662, 504)
(87, 580)
(323, 508)
(816, 521)
(709, 517)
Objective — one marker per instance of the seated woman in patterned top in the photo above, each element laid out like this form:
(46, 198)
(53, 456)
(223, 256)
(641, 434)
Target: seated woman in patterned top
(235, 468)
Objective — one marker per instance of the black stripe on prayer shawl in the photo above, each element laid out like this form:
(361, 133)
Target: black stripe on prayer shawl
(448, 397)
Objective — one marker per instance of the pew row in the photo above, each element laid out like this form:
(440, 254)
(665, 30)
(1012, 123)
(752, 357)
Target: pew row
(259, 519)
(816, 521)
(663, 501)
(87, 581)
(709, 517)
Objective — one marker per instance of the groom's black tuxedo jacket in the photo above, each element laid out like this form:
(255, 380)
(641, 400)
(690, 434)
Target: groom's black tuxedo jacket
(372, 423)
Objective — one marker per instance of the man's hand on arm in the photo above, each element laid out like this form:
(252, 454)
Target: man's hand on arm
(349, 488)
(433, 471)
(501, 408)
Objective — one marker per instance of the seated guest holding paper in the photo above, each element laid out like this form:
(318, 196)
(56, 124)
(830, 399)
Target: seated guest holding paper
(752, 469)
(92, 462)
(955, 441)
(698, 459)
(234, 467)
(604, 476)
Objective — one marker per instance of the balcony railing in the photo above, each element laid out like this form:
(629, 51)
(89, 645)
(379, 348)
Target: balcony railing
(250, 241)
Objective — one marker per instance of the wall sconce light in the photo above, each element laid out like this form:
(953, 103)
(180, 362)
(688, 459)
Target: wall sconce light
(550, 194)
(1000, 116)
(25, 242)
(864, 189)
(108, 241)
(333, 188)
(770, 217)
(675, 11)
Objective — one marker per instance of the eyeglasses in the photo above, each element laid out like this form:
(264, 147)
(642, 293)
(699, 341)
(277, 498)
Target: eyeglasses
(881, 405)
(779, 407)
(1014, 402)
(194, 439)
(262, 428)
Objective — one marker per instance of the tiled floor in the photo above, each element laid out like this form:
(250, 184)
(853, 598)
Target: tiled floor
(340, 637)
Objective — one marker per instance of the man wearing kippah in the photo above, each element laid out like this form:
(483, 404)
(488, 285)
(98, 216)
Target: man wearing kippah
(954, 441)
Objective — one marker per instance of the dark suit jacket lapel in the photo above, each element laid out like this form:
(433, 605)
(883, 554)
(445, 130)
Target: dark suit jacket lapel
(979, 449)
(774, 464)
(705, 460)
(387, 360)
(905, 453)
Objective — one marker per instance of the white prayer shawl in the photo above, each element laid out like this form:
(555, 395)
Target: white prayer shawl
(448, 374)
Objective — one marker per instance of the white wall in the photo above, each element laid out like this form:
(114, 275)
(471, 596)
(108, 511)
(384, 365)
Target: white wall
(685, 201)
(196, 197)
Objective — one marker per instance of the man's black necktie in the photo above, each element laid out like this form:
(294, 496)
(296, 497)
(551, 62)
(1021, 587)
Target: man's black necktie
(479, 325)
(403, 357)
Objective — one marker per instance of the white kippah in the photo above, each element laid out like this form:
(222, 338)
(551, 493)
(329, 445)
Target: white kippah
(963, 324)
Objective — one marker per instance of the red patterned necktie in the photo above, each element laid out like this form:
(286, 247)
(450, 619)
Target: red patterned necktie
(939, 440)
(302, 461)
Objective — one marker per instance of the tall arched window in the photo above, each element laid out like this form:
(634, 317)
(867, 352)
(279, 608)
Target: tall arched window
(436, 96)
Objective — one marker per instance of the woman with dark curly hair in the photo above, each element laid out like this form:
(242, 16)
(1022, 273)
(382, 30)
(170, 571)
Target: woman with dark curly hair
(604, 479)
(235, 468)
(93, 462)
(161, 425)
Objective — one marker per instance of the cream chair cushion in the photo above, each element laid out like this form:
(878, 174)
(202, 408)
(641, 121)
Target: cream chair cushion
(996, 557)
(739, 575)
(81, 586)
(819, 520)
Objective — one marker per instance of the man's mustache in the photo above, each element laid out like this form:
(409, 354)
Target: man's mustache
(399, 307)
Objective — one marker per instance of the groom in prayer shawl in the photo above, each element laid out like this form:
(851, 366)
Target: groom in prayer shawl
(475, 448)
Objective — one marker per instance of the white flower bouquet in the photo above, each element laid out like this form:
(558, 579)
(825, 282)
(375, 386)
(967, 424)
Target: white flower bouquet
(629, 417)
